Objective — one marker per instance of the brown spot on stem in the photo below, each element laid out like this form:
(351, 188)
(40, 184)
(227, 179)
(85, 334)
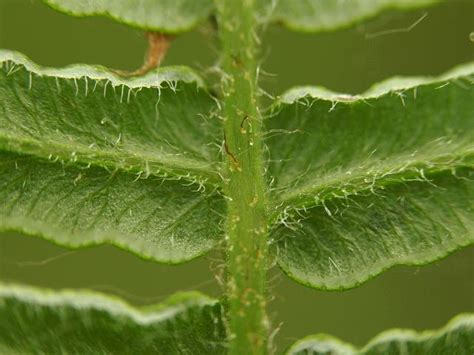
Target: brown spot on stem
(232, 157)
(242, 128)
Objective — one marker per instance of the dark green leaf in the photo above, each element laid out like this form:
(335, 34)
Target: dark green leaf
(87, 158)
(365, 183)
(317, 15)
(168, 16)
(67, 322)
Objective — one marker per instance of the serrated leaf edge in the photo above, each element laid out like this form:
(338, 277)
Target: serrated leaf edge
(153, 79)
(335, 344)
(382, 268)
(85, 299)
(396, 84)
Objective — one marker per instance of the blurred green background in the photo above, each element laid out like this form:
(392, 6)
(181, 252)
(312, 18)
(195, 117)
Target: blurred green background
(349, 60)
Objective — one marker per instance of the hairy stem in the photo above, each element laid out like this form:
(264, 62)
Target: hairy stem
(247, 223)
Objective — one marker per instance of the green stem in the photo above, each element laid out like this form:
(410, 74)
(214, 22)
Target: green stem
(246, 189)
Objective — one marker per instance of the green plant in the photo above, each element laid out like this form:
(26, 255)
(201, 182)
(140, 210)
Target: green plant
(162, 165)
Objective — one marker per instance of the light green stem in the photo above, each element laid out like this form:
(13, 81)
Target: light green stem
(247, 223)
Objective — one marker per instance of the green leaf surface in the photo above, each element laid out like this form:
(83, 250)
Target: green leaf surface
(457, 337)
(87, 158)
(326, 15)
(35, 321)
(168, 16)
(175, 16)
(366, 182)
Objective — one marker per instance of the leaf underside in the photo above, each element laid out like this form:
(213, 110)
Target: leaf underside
(46, 322)
(173, 16)
(365, 183)
(318, 16)
(457, 337)
(169, 16)
(358, 183)
(87, 158)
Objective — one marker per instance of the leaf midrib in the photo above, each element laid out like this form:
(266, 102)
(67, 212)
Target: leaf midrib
(134, 162)
(304, 196)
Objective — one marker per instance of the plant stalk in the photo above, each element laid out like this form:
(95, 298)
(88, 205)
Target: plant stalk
(245, 186)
